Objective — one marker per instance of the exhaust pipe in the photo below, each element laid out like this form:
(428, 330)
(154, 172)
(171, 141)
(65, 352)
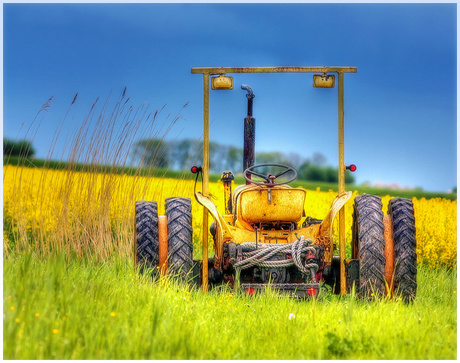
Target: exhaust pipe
(249, 132)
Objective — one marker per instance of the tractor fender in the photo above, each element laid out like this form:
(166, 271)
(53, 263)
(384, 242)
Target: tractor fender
(222, 228)
(337, 204)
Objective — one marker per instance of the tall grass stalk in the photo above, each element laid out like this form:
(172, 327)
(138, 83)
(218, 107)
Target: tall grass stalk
(85, 226)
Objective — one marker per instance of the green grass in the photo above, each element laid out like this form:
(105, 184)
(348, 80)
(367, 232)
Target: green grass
(167, 173)
(77, 309)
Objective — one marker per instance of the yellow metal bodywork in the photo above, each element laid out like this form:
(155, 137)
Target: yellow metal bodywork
(205, 171)
(224, 70)
(227, 178)
(229, 230)
(271, 205)
(343, 282)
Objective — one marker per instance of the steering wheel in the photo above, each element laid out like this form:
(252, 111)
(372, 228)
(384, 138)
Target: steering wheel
(269, 179)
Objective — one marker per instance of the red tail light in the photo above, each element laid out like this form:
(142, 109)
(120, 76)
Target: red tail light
(195, 169)
(351, 167)
(311, 291)
(250, 291)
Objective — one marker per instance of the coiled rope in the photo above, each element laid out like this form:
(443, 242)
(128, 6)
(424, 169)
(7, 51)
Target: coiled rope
(259, 254)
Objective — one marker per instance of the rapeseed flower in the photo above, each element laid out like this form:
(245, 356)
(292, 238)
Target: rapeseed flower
(43, 207)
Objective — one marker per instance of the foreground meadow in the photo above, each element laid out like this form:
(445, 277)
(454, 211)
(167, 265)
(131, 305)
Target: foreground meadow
(70, 290)
(80, 309)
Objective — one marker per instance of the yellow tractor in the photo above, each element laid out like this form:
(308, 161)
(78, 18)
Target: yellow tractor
(264, 237)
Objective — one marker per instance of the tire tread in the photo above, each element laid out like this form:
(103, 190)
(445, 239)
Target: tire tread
(401, 211)
(146, 224)
(368, 234)
(180, 235)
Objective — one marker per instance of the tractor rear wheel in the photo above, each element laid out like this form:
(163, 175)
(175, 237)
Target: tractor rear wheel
(146, 235)
(401, 211)
(180, 236)
(369, 244)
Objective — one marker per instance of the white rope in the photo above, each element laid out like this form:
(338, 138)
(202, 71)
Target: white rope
(258, 254)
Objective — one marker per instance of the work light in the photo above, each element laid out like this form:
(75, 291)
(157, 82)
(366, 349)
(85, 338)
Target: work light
(323, 80)
(221, 82)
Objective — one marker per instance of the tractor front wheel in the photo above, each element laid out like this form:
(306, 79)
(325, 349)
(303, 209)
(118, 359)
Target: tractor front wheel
(369, 245)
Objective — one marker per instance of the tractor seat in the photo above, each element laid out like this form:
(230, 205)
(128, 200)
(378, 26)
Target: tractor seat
(251, 203)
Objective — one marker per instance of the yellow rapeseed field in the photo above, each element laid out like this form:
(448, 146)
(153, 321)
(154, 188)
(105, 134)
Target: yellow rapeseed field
(83, 212)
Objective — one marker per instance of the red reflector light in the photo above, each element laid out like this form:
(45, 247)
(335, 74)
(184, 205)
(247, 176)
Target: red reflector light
(250, 291)
(195, 169)
(351, 167)
(311, 291)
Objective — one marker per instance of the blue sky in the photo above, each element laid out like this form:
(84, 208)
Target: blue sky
(400, 107)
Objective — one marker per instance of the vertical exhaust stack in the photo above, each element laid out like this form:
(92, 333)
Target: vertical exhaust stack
(249, 132)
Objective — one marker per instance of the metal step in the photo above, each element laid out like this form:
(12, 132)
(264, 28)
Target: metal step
(294, 289)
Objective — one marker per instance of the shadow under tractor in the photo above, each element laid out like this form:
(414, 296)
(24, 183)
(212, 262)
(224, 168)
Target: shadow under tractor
(263, 237)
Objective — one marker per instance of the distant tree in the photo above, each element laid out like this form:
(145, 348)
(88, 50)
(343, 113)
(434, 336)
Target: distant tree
(331, 174)
(294, 160)
(234, 159)
(349, 177)
(218, 157)
(183, 153)
(313, 173)
(454, 190)
(271, 157)
(215, 156)
(301, 170)
(190, 152)
(151, 152)
(309, 171)
(21, 148)
(318, 159)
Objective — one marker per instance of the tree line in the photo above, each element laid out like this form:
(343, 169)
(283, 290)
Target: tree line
(182, 154)
(21, 148)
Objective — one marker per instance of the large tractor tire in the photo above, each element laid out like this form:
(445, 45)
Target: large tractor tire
(180, 236)
(369, 245)
(146, 235)
(401, 212)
